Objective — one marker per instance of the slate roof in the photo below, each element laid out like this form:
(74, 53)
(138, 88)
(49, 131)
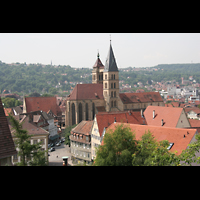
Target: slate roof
(106, 119)
(140, 97)
(170, 115)
(42, 103)
(7, 147)
(173, 135)
(110, 65)
(87, 91)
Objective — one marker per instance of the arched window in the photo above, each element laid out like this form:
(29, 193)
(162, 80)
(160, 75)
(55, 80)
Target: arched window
(114, 93)
(105, 85)
(93, 110)
(80, 112)
(105, 76)
(112, 76)
(111, 85)
(111, 94)
(73, 114)
(86, 111)
(114, 85)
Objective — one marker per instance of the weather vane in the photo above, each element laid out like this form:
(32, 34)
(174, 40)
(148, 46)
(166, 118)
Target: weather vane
(110, 38)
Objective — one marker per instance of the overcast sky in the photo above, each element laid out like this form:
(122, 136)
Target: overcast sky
(80, 49)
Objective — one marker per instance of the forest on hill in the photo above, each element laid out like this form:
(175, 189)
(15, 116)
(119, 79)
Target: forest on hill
(25, 79)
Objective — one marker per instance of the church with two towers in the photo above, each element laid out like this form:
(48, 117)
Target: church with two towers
(102, 95)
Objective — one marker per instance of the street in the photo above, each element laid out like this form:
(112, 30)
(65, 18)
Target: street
(60, 151)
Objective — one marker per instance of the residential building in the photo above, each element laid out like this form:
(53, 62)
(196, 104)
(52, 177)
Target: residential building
(84, 100)
(80, 142)
(103, 120)
(39, 135)
(179, 138)
(166, 117)
(47, 104)
(193, 112)
(7, 147)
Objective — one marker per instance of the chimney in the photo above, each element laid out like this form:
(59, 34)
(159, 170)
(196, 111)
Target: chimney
(162, 122)
(183, 136)
(153, 114)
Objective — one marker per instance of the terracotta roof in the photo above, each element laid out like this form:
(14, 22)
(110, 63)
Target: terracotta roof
(194, 122)
(105, 119)
(42, 103)
(168, 105)
(84, 127)
(87, 91)
(140, 97)
(7, 111)
(170, 115)
(173, 135)
(7, 147)
(194, 109)
(30, 127)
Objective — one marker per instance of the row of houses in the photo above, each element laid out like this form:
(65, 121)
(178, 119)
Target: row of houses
(166, 123)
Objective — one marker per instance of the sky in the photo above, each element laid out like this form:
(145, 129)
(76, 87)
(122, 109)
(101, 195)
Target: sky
(80, 49)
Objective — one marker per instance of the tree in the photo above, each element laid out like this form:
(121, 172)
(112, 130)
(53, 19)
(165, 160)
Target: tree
(68, 133)
(26, 149)
(118, 147)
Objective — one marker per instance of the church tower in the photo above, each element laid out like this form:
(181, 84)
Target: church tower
(111, 82)
(97, 72)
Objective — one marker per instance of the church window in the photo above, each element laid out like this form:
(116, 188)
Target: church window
(111, 85)
(115, 103)
(114, 85)
(105, 85)
(93, 110)
(114, 76)
(115, 94)
(111, 104)
(106, 76)
(111, 94)
(86, 111)
(73, 114)
(80, 112)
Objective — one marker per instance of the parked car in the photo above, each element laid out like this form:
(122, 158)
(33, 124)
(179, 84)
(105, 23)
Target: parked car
(52, 144)
(58, 144)
(52, 149)
(63, 139)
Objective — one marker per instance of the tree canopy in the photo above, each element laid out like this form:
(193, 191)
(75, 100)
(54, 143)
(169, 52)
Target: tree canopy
(120, 148)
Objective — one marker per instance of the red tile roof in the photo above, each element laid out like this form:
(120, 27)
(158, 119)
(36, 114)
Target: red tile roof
(140, 97)
(98, 64)
(84, 127)
(170, 115)
(42, 103)
(7, 147)
(7, 111)
(87, 91)
(194, 109)
(173, 135)
(105, 119)
(194, 122)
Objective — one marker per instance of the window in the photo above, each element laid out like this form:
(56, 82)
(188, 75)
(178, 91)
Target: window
(115, 94)
(86, 137)
(77, 137)
(111, 94)
(42, 141)
(114, 85)
(105, 85)
(114, 76)
(115, 104)
(34, 141)
(106, 76)
(94, 77)
(111, 104)
(170, 146)
(84, 146)
(111, 85)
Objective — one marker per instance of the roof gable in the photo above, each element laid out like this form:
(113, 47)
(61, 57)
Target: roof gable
(84, 127)
(170, 115)
(173, 135)
(87, 91)
(98, 64)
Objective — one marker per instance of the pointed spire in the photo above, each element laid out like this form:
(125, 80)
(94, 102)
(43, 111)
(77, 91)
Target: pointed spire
(110, 64)
(98, 54)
